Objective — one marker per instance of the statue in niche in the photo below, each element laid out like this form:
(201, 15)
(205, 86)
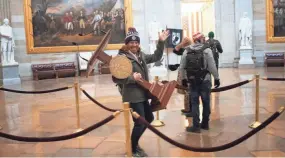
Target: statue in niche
(245, 32)
(7, 44)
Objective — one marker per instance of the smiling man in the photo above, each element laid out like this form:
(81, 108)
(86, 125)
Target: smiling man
(132, 92)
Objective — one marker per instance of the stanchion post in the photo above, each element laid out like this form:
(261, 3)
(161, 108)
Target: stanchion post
(76, 92)
(157, 122)
(256, 123)
(127, 129)
(1, 127)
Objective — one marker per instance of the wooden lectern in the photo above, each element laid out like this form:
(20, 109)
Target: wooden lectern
(160, 94)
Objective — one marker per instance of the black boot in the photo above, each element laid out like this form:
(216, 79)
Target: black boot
(189, 114)
(205, 125)
(139, 152)
(139, 149)
(184, 111)
(193, 129)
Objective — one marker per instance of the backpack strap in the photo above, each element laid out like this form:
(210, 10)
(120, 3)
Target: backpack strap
(189, 50)
(205, 46)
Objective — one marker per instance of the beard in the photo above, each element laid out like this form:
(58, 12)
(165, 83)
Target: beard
(134, 49)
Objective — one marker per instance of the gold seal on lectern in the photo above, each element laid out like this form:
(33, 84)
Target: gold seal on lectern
(121, 67)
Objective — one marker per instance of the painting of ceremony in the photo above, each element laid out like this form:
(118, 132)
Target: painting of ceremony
(65, 22)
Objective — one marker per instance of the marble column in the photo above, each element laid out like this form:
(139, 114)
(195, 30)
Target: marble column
(5, 10)
(225, 30)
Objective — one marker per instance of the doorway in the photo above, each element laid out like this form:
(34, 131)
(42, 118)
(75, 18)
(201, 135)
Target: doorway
(197, 16)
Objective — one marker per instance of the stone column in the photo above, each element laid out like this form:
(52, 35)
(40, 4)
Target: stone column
(225, 30)
(5, 10)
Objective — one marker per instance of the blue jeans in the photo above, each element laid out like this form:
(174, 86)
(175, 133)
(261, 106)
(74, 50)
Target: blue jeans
(144, 110)
(203, 90)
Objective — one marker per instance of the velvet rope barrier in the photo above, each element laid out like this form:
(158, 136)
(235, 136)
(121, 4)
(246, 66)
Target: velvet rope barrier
(225, 88)
(60, 138)
(34, 92)
(220, 89)
(96, 102)
(273, 79)
(210, 149)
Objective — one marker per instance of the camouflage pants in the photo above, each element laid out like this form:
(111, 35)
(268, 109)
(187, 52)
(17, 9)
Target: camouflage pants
(187, 106)
(187, 101)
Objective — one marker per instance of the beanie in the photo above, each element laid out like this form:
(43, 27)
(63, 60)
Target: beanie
(211, 34)
(132, 35)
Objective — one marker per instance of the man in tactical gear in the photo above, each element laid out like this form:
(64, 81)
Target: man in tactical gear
(198, 64)
(179, 50)
(215, 46)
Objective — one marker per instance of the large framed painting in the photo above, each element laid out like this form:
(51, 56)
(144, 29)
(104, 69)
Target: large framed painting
(75, 25)
(275, 21)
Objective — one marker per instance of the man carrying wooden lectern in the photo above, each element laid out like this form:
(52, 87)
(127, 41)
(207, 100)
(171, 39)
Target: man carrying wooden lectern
(132, 92)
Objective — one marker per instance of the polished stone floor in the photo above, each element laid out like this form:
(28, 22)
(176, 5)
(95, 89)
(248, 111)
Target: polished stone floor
(53, 114)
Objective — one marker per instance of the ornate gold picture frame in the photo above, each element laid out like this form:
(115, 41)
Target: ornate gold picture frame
(75, 25)
(275, 31)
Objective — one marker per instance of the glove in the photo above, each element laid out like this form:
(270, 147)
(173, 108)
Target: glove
(179, 52)
(173, 67)
(184, 83)
(217, 83)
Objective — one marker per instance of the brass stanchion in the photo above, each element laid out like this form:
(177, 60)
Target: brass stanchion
(127, 129)
(157, 122)
(256, 123)
(76, 92)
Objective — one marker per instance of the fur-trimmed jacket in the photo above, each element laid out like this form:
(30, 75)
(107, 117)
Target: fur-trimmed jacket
(129, 89)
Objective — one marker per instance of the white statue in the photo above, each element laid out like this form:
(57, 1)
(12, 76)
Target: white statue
(245, 32)
(7, 43)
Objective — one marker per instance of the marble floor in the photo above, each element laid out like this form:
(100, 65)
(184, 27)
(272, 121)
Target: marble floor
(53, 114)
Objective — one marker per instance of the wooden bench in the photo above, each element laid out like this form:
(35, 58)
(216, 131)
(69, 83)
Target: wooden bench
(43, 71)
(67, 69)
(53, 70)
(274, 59)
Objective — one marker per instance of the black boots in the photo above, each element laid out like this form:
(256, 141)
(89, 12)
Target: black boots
(139, 152)
(204, 125)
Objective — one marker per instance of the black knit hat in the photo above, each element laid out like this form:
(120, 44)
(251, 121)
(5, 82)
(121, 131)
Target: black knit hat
(132, 35)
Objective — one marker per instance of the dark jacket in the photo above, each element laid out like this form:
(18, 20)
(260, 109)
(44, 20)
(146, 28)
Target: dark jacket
(218, 45)
(130, 90)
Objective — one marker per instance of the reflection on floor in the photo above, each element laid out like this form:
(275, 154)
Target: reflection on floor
(54, 114)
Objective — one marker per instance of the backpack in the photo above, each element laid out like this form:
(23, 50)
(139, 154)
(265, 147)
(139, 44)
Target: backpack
(213, 46)
(195, 65)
